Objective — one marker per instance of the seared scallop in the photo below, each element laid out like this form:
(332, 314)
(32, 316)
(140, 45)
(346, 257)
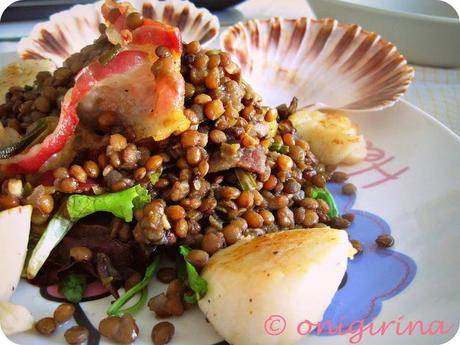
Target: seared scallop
(294, 274)
(332, 136)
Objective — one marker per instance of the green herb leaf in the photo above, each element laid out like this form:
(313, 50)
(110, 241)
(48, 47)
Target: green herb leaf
(278, 146)
(73, 286)
(190, 299)
(246, 179)
(154, 178)
(115, 308)
(120, 204)
(324, 194)
(196, 283)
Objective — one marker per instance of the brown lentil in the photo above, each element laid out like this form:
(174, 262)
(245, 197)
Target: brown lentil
(349, 216)
(311, 218)
(154, 163)
(253, 219)
(64, 312)
(284, 162)
(80, 253)
(175, 212)
(232, 233)
(217, 136)
(166, 274)
(339, 176)
(211, 243)
(230, 193)
(162, 333)
(246, 199)
(8, 201)
(181, 228)
(357, 245)
(319, 181)
(285, 217)
(46, 326)
(198, 258)
(122, 330)
(214, 109)
(91, 169)
(78, 173)
(193, 156)
(68, 185)
(348, 189)
(76, 335)
(135, 20)
(385, 241)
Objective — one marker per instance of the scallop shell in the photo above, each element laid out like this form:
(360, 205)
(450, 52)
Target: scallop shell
(323, 63)
(67, 32)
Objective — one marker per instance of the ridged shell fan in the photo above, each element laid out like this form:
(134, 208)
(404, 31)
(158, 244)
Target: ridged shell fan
(323, 63)
(67, 32)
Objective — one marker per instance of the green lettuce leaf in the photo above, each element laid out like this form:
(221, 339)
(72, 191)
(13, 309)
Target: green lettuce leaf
(120, 204)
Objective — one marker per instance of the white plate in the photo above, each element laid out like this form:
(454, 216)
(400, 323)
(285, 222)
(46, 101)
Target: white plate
(417, 158)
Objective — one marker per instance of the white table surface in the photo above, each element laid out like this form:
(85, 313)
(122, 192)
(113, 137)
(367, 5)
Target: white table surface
(435, 90)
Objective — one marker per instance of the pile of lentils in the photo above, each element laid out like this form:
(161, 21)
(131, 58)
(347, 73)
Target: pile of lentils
(193, 202)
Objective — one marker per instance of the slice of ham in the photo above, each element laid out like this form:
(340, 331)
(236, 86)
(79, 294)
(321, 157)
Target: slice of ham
(250, 159)
(147, 104)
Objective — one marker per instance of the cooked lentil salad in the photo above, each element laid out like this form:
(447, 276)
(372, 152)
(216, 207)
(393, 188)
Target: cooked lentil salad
(237, 171)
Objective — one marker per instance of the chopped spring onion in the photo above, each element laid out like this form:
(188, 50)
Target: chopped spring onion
(10, 150)
(324, 194)
(279, 147)
(115, 308)
(246, 180)
(105, 58)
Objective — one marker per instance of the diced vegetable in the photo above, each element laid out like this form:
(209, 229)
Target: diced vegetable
(279, 147)
(120, 204)
(109, 55)
(324, 194)
(196, 283)
(115, 308)
(154, 178)
(14, 234)
(73, 286)
(246, 179)
(58, 226)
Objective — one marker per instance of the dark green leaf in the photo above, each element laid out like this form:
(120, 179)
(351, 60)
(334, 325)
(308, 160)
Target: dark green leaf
(196, 283)
(115, 308)
(73, 286)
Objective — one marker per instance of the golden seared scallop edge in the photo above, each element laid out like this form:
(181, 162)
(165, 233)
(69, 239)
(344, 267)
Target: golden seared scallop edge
(266, 250)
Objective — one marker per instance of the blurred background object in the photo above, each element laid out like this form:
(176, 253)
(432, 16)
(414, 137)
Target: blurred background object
(427, 32)
(37, 9)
